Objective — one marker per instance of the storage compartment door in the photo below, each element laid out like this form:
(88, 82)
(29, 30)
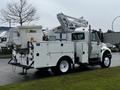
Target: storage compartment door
(41, 56)
(85, 53)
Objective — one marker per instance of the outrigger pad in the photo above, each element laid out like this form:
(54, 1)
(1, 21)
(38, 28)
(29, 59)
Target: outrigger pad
(24, 72)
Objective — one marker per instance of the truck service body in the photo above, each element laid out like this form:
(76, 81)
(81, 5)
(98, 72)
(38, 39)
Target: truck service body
(59, 50)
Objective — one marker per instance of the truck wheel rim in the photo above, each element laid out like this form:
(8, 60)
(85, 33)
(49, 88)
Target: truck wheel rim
(107, 61)
(64, 66)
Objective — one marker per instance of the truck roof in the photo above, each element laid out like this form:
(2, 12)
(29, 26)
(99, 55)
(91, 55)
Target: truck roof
(81, 30)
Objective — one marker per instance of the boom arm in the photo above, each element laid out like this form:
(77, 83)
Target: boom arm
(69, 24)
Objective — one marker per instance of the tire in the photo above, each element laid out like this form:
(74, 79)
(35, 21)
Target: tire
(106, 62)
(63, 67)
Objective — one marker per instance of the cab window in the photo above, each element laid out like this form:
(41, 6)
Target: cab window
(94, 37)
(78, 36)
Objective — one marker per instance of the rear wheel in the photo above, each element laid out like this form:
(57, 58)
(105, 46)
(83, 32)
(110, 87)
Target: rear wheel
(62, 67)
(106, 62)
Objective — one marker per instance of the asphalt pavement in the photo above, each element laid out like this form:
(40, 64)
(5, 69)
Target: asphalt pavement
(115, 59)
(10, 74)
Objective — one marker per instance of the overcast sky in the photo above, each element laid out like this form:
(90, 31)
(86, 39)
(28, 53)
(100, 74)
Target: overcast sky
(99, 13)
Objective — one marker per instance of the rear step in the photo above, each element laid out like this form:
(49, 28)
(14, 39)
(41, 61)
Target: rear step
(15, 63)
(25, 68)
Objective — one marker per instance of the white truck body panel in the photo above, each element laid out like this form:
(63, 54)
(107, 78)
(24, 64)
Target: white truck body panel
(25, 35)
(82, 51)
(51, 52)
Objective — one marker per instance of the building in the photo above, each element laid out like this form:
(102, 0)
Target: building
(113, 38)
(4, 29)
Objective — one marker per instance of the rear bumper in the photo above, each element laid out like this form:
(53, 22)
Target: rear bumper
(14, 63)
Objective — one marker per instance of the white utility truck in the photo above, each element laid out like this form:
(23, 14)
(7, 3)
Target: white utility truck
(74, 42)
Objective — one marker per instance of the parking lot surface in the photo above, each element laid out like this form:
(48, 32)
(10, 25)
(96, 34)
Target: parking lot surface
(9, 74)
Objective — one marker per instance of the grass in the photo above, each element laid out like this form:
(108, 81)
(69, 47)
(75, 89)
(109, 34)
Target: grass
(5, 56)
(100, 79)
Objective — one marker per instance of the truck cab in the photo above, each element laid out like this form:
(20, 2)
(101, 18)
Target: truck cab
(89, 49)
